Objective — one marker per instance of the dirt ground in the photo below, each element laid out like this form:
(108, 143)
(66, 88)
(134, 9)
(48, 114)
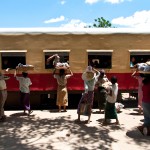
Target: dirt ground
(52, 130)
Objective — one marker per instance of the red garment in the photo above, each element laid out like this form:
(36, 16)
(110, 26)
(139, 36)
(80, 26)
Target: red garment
(146, 93)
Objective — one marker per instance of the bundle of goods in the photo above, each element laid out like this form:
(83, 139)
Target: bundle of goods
(64, 65)
(22, 67)
(143, 67)
(119, 106)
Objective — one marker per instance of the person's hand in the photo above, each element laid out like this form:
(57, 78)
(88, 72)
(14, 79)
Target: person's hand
(55, 55)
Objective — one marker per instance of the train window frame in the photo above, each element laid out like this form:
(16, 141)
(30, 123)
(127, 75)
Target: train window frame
(140, 55)
(11, 58)
(61, 53)
(103, 54)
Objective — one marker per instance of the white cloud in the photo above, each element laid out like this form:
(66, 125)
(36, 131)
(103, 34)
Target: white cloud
(63, 2)
(74, 23)
(108, 1)
(140, 19)
(114, 1)
(53, 20)
(91, 1)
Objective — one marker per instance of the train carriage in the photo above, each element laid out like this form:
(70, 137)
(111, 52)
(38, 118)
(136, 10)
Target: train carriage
(110, 49)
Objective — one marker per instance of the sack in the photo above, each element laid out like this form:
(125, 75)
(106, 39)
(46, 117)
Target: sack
(85, 109)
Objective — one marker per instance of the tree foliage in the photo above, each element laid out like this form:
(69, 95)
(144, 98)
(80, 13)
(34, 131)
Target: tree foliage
(101, 23)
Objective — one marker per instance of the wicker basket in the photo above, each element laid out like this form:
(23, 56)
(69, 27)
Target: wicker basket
(25, 68)
(144, 72)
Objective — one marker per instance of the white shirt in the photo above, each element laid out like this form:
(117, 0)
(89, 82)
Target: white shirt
(2, 82)
(112, 98)
(24, 84)
(90, 85)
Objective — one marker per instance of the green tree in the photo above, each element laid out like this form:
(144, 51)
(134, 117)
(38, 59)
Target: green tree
(101, 23)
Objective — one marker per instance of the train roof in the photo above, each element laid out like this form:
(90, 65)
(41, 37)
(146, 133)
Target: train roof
(75, 31)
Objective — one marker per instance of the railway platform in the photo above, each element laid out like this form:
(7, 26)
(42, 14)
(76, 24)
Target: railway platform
(49, 129)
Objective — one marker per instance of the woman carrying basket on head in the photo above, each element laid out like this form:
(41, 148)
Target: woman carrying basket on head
(90, 77)
(24, 87)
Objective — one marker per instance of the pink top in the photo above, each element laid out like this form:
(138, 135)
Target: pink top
(140, 83)
(146, 93)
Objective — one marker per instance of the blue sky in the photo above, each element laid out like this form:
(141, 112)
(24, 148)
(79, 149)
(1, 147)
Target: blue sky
(73, 13)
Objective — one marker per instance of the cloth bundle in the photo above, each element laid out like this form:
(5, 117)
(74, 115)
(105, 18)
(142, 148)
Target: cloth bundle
(62, 65)
(119, 106)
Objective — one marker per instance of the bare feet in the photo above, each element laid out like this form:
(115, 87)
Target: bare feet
(87, 121)
(117, 123)
(140, 111)
(3, 119)
(30, 111)
(77, 121)
(104, 123)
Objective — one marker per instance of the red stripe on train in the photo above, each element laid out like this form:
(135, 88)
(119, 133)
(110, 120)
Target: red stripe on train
(46, 82)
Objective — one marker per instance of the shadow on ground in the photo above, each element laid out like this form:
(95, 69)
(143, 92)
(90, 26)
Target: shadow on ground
(29, 132)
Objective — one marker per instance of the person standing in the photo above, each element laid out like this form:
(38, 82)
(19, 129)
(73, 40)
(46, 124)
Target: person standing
(140, 78)
(3, 96)
(24, 87)
(110, 108)
(90, 77)
(146, 105)
(101, 93)
(62, 93)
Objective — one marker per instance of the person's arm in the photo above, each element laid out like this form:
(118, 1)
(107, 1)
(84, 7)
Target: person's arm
(71, 73)
(51, 57)
(15, 73)
(30, 83)
(54, 71)
(133, 73)
(97, 72)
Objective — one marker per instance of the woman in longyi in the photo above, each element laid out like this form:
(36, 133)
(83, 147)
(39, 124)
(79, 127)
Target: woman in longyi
(62, 93)
(90, 77)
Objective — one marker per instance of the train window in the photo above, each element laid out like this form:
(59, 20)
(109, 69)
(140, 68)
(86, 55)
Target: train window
(139, 56)
(100, 58)
(63, 54)
(10, 59)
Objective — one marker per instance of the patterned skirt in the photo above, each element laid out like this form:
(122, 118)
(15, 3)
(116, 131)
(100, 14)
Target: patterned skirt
(62, 96)
(86, 97)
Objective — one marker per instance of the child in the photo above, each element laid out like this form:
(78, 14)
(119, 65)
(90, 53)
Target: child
(110, 109)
